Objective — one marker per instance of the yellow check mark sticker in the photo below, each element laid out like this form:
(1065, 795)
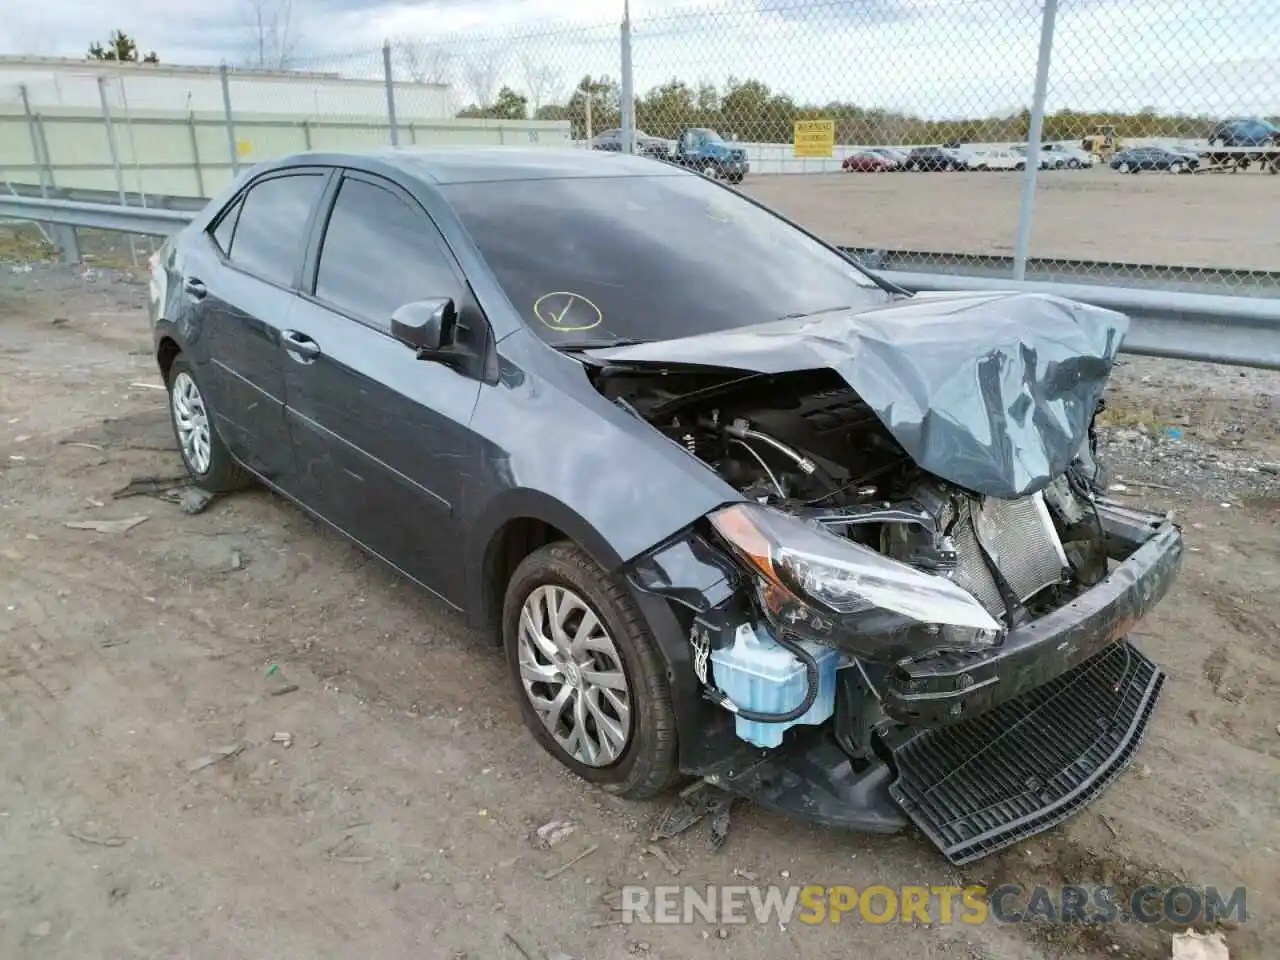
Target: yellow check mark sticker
(567, 312)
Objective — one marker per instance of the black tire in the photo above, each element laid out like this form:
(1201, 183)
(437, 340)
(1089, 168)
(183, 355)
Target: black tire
(735, 178)
(649, 762)
(1073, 164)
(710, 171)
(224, 474)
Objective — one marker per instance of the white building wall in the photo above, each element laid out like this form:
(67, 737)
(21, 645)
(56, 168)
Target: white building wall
(55, 82)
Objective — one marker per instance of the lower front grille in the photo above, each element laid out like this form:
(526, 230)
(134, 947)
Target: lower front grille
(1015, 771)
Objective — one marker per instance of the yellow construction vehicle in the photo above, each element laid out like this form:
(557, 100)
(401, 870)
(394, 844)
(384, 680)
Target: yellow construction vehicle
(1104, 144)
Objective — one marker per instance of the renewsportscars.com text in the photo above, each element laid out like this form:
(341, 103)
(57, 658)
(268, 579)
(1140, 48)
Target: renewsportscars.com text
(814, 904)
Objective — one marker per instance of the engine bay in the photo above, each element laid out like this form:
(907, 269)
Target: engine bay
(806, 444)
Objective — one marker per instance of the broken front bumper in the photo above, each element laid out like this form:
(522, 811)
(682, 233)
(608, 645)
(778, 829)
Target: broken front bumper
(949, 688)
(993, 748)
(989, 748)
(976, 786)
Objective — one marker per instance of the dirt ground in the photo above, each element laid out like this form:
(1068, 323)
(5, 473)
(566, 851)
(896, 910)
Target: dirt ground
(396, 823)
(1211, 220)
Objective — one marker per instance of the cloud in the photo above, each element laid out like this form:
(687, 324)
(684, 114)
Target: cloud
(937, 58)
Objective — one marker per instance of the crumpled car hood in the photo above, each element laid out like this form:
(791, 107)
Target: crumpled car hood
(991, 391)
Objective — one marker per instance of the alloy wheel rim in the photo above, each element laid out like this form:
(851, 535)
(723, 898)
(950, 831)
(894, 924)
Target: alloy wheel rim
(191, 420)
(573, 675)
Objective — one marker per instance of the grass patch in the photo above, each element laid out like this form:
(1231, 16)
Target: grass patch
(1132, 417)
(25, 244)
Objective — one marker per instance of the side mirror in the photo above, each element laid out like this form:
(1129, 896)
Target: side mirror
(425, 325)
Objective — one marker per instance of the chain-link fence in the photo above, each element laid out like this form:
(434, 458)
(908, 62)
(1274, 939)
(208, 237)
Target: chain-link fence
(901, 128)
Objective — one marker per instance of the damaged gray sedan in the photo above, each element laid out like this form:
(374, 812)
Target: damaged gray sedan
(738, 509)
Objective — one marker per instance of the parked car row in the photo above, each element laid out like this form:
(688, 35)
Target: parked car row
(1053, 156)
(708, 153)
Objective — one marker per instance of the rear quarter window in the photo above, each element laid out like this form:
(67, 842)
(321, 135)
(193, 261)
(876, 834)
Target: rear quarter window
(225, 229)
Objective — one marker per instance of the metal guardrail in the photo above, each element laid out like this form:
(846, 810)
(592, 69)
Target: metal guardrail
(1166, 277)
(1203, 327)
(1206, 327)
(97, 216)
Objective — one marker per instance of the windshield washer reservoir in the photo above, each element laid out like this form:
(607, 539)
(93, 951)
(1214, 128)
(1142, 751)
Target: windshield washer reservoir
(757, 673)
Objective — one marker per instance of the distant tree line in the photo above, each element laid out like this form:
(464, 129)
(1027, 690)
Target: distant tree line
(749, 110)
(121, 47)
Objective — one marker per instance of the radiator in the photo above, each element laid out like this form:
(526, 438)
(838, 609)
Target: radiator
(1020, 539)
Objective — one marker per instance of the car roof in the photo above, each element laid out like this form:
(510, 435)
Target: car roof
(444, 165)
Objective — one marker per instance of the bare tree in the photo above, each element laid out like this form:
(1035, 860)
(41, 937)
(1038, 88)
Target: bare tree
(270, 23)
(480, 75)
(541, 80)
(425, 62)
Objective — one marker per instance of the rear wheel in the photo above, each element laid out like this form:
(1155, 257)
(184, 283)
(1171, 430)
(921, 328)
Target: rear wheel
(1175, 168)
(592, 687)
(708, 170)
(205, 456)
(1073, 164)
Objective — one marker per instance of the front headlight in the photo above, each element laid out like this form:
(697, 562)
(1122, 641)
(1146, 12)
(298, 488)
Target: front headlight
(833, 590)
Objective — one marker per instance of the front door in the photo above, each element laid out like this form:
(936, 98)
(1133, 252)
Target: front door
(382, 438)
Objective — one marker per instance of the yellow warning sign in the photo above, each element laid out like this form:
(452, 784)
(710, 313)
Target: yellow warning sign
(815, 138)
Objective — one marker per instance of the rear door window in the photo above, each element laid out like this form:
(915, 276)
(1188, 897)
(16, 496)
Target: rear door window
(271, 231)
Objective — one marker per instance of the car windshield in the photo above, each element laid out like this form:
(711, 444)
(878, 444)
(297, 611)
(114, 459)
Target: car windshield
(649, 258)
(710, 136)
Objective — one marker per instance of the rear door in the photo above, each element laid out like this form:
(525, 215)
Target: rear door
(382, 437)
(241, 285)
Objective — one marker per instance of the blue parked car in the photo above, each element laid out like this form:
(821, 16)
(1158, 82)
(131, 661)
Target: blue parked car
(1244, 132)
(707, 152)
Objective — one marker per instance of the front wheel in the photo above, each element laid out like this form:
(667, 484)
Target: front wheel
(592, 687)
(708, 170)
(205, 456)
(1175, 168)
(1073, 164)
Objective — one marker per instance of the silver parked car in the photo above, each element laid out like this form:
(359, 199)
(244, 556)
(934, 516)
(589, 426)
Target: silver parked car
(1064, 155)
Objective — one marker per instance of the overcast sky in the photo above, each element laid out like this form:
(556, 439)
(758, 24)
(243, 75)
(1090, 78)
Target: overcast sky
(932, 57)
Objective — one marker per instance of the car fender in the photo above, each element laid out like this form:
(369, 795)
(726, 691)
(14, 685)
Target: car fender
(551, 448)
(528, 504)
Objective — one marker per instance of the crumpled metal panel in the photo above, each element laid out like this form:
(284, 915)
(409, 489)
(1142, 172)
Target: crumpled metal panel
(992, 391)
